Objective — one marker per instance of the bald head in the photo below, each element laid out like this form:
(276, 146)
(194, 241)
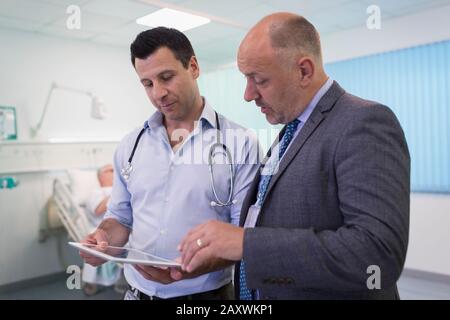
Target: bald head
(285, 32)
(282, 62)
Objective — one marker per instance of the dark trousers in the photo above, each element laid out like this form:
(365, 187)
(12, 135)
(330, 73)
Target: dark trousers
(223, 293)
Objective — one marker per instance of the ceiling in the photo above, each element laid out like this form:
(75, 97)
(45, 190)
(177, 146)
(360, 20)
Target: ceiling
(112, 22)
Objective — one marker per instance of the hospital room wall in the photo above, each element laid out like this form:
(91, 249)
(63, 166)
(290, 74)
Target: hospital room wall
(29, 63)
(22, 216)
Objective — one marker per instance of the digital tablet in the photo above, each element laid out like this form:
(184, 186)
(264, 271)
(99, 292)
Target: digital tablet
(125, 255)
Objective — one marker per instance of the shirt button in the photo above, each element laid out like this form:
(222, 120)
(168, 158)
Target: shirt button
(166, 199)
(163, 231)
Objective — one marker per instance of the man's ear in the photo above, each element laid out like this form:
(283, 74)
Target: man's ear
(194, 67)
(306, 69)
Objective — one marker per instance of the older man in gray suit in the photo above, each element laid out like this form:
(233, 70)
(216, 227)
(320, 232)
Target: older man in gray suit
(327, 217)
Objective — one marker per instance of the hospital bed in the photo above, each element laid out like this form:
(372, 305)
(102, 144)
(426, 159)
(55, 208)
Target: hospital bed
(68, 198)
(72, 216)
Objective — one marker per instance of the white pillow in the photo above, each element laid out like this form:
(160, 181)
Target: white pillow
(82, 183)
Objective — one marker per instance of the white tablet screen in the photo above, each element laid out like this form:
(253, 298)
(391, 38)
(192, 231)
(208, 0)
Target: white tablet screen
(124, 255)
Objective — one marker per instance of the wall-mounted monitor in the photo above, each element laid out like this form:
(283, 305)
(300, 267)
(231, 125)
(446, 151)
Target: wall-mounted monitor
(8, 123)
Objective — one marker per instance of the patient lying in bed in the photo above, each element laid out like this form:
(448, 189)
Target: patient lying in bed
(98, 200)
(96, 205)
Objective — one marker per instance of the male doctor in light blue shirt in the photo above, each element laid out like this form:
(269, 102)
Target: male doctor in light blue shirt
(168, 192)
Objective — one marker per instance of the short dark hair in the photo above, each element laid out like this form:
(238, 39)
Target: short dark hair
(296, 33)
(147, 42)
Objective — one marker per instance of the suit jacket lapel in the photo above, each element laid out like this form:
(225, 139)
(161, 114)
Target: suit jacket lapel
(325, 104)
(297, 144)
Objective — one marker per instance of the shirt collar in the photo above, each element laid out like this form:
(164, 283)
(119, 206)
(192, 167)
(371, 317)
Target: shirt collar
(315, 100)
(208, 116)
(155, 120)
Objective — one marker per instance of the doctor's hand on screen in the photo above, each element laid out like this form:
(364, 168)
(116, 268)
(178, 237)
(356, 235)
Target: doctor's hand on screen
(160, 274)
(212, 245)
(99, 238)
(169, 275)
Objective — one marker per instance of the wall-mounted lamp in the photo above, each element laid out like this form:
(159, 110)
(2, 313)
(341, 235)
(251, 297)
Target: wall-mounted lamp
(98, 108)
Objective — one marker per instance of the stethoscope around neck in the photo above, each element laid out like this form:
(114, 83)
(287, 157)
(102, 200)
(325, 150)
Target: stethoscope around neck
(218, 148)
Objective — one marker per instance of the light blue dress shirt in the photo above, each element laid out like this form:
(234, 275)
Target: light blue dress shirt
(168, 193)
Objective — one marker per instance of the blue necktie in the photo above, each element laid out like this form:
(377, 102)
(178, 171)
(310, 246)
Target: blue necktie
(244, 291)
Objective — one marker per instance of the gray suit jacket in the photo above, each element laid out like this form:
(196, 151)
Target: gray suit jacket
(338, 204)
